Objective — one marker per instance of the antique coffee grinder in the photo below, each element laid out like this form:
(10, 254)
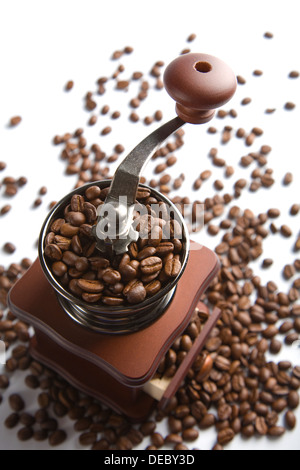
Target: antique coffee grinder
(106, 346)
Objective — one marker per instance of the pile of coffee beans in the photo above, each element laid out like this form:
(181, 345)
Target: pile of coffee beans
(233, 387)
(150, 263)
(183, 344)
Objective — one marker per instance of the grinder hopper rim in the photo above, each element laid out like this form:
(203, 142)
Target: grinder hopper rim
(104, 318)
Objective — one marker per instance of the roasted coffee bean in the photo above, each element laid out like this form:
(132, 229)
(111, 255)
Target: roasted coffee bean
(285, 230)
(69, 230)
(27, 419)
(74, 288)
(32, 381)
(102, 444)
(92, 192)
(173, 438)
(293, 399)
(5, 209)
(57, 224)
(128, 272)
(49, 425)
(204, 368)
(16, 402)
(69, 85)
(12, 420)
(112, 301)
(40, 435)
(157, 439)
(59, 268)
(91, 297)
(186, 343)
(53, 252)
(57, 437)
(25, 433)
(225, 436)
(90, 212)
(151, 265)
(75, 218)
(88, 438)
(224, 412)
(9, 247)
(153, 287)
(155, 236)
(15, 120)
(63, 243)
(276, 431)
(111, 276)
(207, 421)
(222, 363)
(124, 443)
(290, 419)
(146, 252)
(147, 428)
(135, 436)
(279, 404)
(4, 381)
(44, 400)
(190, 434)
(174, 424)
(97, 262)
(173, 267)
(93, 287)
(165, 248)
(136, 293)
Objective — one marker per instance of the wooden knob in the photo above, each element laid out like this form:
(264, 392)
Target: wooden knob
(199, 83)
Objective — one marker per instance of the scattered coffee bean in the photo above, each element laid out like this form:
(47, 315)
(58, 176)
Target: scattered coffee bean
(5, 209)
(295, 208)
(241, 80)
(9, 247)
(106, 130)
(25, 433)
(288, 178)
(12, 420)
(69, 85)
(246, 101)
(16, 402)
(57, 437)
(191, 37)
(290, 419)
(225, 436)
(15, 120)
(289, 105)
(285, 230)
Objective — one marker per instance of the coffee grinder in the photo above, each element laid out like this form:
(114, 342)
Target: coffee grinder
(113, 352)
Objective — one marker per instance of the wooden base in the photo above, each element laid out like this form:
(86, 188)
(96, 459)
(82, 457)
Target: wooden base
(113, 369)
(91, 379)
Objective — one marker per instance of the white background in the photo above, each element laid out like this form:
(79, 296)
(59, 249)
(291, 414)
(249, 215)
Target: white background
(45, 44)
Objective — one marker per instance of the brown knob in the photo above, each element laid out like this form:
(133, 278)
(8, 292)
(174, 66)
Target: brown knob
(199, 83)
